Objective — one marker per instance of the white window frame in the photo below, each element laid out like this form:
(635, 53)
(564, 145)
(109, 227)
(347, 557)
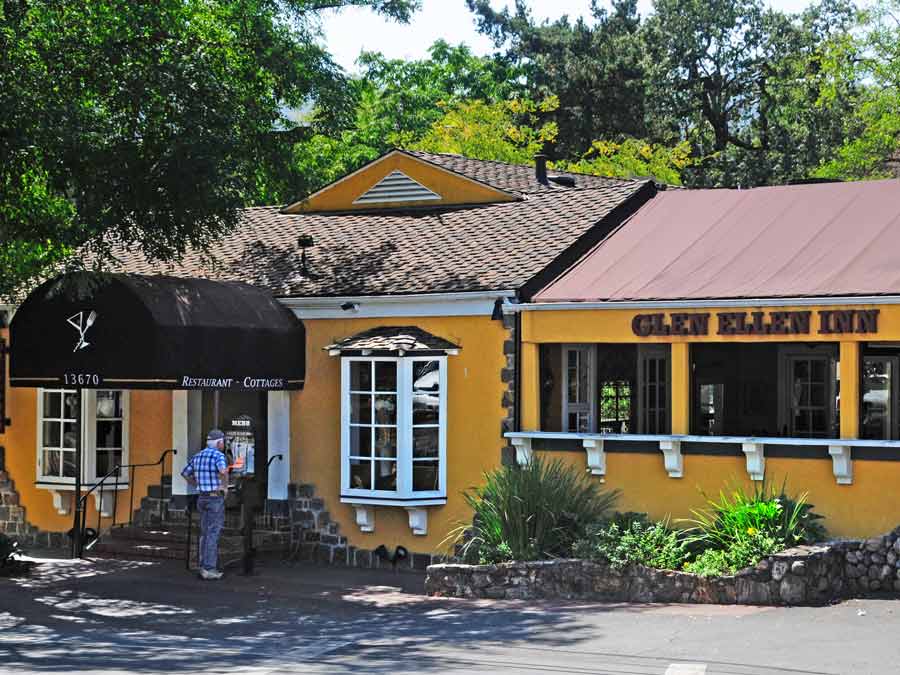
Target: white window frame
(587, 353)
(88, 429)
(404, 495)
(786, 354)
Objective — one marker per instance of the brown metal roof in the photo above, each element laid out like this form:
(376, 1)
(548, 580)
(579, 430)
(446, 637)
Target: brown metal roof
(789, 241)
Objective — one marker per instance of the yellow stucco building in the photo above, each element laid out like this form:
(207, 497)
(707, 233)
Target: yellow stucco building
(459, 314)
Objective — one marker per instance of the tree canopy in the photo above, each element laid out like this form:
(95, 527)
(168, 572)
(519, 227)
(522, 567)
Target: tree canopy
(149, 125)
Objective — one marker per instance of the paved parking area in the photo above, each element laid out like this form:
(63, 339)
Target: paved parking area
(112, 616)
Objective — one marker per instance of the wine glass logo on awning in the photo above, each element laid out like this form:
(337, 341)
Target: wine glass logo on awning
(78, 322)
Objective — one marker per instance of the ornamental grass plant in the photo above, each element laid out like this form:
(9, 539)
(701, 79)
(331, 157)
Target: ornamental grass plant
(530, 512)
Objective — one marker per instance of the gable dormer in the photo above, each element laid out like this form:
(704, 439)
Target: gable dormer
(399, 180)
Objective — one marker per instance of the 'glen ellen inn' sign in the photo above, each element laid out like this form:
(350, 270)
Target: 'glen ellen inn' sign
(829, 322)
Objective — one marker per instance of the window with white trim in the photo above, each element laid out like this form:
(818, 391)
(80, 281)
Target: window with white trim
(393, 429)
(104, 428)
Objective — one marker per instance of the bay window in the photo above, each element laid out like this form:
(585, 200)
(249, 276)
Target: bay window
(103, 415)
(393, 430)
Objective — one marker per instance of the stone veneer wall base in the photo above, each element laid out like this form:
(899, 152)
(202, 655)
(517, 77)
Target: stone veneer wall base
(806, 575)
(12, 517)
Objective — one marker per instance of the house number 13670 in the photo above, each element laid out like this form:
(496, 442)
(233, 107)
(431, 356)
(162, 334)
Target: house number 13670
(82, 379)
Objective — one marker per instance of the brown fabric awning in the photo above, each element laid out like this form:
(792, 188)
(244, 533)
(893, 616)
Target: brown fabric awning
(831, 239)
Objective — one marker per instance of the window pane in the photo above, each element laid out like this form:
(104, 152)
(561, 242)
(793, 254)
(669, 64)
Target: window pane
(107, 460)
(385, 409)
(51, 463)
(361, 474)
(817, 394)
(877, 406)
(70, 436)
(425, 442)
(361, 375)
(70, 410)
(386, 476)
(426, 476)
(426, 376)
(385, 442)
(109, 404)
(426, 408)
(109, 434)
(385, 376)
(361, 441)
(68, 464)
(52, 404)
(361, 408)
(51, 434)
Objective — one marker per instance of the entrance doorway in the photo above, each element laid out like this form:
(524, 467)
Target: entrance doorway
(229, 411)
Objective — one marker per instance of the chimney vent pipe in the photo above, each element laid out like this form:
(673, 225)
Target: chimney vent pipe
(540, 168)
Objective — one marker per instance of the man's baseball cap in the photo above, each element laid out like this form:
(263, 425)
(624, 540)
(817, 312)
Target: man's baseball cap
(215, 435)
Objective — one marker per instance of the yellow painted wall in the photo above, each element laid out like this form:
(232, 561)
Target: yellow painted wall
(150, 433)
(869, 507)
(452, 187)
(474, 443)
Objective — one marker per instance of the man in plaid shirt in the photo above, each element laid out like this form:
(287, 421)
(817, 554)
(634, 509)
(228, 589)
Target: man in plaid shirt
(208, 472)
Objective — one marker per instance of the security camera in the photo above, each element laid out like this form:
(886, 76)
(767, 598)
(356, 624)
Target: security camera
(350, 307)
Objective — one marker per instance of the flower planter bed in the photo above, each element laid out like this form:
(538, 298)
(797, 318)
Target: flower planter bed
(806, 575)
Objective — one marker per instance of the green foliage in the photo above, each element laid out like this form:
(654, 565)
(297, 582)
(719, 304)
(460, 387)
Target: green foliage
(633, 158)
(738, 556)
(627, 541)
(743, 524)
(867, 59)
(530, 512)
(148, 124)
(506, 131)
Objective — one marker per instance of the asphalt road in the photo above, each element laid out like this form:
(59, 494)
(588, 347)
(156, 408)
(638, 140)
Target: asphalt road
(118, 617)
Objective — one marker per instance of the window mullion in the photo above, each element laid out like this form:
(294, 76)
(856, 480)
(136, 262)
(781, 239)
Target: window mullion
(404, 427)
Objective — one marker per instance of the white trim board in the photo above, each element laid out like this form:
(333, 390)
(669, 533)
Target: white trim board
(479, 303)
(824, 301)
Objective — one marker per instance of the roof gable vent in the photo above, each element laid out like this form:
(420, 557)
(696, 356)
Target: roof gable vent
(396, 187)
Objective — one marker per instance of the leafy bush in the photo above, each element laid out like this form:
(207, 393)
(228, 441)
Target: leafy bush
(631, 538)
(740, 555)
(526, 513)
(740, 528)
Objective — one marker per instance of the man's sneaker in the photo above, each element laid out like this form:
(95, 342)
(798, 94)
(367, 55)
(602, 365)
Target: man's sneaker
(210, 574)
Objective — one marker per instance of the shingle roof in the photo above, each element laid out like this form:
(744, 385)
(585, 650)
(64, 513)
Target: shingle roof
(389, 339)
(514, 177)
(488, 247)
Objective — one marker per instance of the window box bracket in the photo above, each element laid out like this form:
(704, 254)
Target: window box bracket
(62, 502)
(365, 518)
(841, 463)
(596, 456)
(524, 453)
(671, 450)
(418, 521)
(756, 460)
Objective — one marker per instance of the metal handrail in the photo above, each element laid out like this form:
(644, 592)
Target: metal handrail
(116, 472)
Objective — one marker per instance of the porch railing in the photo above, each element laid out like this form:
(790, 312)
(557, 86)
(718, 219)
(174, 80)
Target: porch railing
(670, 445)
(114, 474)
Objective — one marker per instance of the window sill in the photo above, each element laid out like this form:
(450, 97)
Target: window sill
(415, 508)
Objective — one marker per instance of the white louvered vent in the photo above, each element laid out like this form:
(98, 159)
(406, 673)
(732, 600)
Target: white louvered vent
(396, 187)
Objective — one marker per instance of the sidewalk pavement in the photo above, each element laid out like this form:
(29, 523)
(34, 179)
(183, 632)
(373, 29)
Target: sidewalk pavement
(112, 616)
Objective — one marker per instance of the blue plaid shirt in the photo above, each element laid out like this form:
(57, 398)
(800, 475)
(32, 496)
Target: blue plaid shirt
(206, 466)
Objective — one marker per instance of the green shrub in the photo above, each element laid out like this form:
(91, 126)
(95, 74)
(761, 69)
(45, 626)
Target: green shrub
(531, 512)
(740, 555)
(630, 538)
(737, 516)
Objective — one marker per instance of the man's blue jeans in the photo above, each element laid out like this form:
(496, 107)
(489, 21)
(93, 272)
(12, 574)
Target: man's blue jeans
(212, 520)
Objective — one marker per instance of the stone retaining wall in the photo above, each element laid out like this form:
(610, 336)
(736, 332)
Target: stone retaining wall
(806, 575)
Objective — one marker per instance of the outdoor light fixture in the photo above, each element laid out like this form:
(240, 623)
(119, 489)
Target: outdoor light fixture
(350, 307)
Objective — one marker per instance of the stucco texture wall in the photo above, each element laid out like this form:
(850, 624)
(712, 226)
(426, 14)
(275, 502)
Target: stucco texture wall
(474, 441)
(150, 433)
(868, 508)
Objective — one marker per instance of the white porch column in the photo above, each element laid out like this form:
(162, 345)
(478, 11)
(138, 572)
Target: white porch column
(279, 441)
(187, 436)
